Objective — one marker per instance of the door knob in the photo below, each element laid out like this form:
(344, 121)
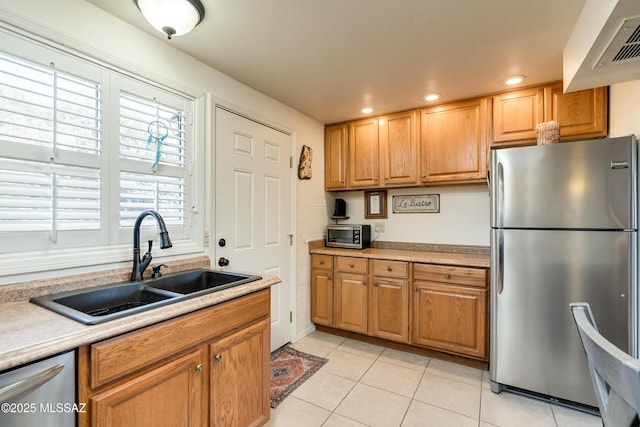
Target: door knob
(223, 262)
(222, 243)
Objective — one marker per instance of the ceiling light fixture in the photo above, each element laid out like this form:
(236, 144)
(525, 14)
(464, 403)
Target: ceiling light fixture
(514, 80)
(367, 110)
(172, 17)
(432, 97)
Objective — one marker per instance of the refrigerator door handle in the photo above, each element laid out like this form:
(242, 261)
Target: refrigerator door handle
(498, 261)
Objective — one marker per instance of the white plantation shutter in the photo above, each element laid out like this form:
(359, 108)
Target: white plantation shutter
(140, 187)
(50, 133)
(76, 164)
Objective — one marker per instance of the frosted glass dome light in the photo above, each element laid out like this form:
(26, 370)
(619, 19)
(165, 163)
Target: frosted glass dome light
(172, 17)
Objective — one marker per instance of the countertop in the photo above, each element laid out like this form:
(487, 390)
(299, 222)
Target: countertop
(29, 332)
(430, 254)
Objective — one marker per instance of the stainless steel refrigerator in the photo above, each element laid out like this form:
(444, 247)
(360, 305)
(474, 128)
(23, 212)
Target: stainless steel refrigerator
(563, 229)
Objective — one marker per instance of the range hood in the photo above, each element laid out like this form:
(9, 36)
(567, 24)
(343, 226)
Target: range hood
(604, 47)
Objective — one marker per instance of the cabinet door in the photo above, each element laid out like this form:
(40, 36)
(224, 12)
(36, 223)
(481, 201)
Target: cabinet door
(335, 157)
(322, 297)
(450, 318)
(398, 135)
(171, 394)
(389, 312)
(240, 378)
(364, 154)
(515, 116)
(454, 142)
(582, 114)
(351, 302)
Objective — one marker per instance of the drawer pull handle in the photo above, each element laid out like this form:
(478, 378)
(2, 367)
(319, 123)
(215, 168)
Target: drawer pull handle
(389, 268)
(351, 264)
(321, 261)
(199, 367)
(447, 276)
(218, 357)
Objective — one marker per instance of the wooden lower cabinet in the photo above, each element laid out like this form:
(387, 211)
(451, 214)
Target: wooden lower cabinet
(351, 302)
(440, 307)
(322, 289)
(240, 375)
(450, 309)
(170, 395)
(389, 303)
(210, 367)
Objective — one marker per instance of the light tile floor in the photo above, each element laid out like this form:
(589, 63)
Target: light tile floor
(368, 385)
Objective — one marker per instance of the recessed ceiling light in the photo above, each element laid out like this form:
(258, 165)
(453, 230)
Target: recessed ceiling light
(432, 97)
(367, 110)
(514, 80)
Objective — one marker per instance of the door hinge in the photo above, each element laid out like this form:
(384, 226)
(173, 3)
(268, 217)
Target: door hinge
(290, 239)
(290, 162)
(291, 317)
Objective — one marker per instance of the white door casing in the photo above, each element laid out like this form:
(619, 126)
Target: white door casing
(253, 208)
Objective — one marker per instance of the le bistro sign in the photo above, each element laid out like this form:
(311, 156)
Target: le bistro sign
(424, 203)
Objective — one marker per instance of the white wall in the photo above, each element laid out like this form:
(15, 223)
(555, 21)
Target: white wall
(463, 217)
(86, 28)
(624, 109)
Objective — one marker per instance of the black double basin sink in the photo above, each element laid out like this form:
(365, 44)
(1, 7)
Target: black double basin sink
(104, 303)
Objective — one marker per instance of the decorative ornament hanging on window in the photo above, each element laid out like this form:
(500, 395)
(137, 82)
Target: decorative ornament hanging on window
(158, 131)
(304, 167)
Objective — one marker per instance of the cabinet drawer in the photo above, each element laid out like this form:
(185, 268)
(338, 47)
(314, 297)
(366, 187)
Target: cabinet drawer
(352, 265)
(116, 357)
(446, 274)
(322, 261)
(390, 268)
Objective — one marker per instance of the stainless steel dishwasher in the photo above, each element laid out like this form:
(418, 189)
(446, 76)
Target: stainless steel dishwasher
(42, 393)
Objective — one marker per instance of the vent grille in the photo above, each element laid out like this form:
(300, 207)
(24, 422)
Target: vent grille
(625, 46)
(631, 49)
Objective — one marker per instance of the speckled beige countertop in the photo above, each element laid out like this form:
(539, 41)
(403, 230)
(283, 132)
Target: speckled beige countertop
(455, 255)
(29, 332)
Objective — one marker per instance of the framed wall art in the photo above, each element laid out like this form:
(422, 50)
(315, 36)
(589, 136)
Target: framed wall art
(375, 204)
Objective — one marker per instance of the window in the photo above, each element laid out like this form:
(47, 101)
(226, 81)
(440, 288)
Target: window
(85, 149)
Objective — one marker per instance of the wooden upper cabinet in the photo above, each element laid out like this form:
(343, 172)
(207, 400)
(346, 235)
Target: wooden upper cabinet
(454, 139)
(515, 116)
(582, 114)
(335, 157)
(364, 160)
(399, 136)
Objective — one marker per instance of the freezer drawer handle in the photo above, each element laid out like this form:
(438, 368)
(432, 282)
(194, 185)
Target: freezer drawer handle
(27, 384)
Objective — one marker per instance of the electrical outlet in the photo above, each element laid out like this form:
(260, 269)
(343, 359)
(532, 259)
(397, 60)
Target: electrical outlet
(379, 227)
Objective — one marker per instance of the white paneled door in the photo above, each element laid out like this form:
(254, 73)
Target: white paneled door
(253, 208)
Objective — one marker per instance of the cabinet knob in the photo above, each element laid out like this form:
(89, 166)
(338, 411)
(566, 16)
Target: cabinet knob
(375, 284)
(424, 176)
(364, 282)
(415, 289)
(199, 367)
(218, 357)
(389, 268)
(351, 264)
(447, 276)
(375, 179)
(321, 261)
(386, 178)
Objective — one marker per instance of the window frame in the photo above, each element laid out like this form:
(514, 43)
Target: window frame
(115, 246)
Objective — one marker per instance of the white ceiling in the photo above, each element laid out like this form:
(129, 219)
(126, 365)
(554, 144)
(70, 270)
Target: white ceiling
(329, 58)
